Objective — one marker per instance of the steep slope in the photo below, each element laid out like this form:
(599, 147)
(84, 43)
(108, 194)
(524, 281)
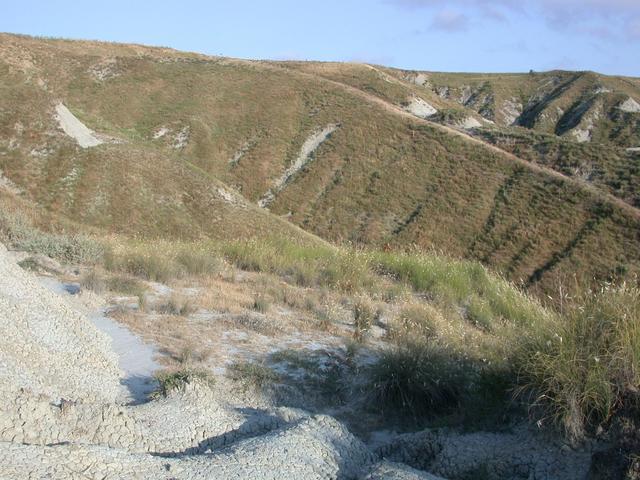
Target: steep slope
(600, 162)
(187, 138)
(583, 106)
(612, 169)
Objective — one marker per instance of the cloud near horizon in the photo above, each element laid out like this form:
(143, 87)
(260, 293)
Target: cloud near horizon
(597, 18)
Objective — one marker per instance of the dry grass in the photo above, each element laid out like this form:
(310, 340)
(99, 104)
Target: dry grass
(590, 366)
(372, 199)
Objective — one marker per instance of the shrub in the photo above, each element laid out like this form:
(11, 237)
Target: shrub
(363, 316)
(177, 305)
(171, 380)
(29, 264)
(252, 374)
(93, 281)
(419, 379)
(582, 374)
(18, 232)
(125, 285)
(260, 304)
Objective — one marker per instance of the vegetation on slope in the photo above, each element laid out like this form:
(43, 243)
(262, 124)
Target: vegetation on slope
(380, 179)
(612, 169)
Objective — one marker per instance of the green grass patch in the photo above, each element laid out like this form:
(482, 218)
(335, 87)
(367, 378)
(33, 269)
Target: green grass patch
(301, 265)
(484, 297)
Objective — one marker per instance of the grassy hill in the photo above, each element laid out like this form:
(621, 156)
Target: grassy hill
(192, 143)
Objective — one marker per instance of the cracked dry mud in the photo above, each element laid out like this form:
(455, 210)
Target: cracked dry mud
(64, 416)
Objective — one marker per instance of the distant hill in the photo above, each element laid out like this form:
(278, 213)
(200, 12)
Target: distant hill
(187, 146)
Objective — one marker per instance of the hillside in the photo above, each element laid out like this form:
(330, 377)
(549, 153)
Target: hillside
(188, 146)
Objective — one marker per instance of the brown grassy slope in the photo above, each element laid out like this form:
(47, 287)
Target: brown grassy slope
(598, 162)
(556, 102)
(609, 168)
(135, 186)
(382, 177)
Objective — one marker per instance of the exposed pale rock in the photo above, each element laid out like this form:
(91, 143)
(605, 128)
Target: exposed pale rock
(420, 108)
(630, 105)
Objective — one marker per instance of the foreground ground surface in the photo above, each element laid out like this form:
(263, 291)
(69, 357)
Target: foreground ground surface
(73, 411)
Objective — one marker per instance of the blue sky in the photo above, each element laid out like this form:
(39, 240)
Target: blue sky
(452, 35)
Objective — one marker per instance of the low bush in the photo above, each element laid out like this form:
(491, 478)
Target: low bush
(170, 380)
(260, 304)
(252, 374)
(92, 280)
(125, 285)
(177, 305)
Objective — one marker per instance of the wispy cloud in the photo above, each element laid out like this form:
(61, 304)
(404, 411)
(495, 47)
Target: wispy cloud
(450, 21)
(633, 28)
(588, 17)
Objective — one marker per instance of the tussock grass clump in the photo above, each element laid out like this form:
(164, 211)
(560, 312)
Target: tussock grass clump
(199, 261)
(260, 304)
(171, 380)
(582, 374)
(178, 305)
(455, 349)
(125, 285)
(363, 317)
(252, 374)
(416, 320)
(189, 354)
(164, 261)
(420, 379)
(92, 280)
(149, 267)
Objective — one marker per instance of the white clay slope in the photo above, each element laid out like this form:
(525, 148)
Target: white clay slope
(75, 129)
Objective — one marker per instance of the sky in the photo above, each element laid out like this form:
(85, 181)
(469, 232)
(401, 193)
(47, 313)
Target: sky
(436, 35)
